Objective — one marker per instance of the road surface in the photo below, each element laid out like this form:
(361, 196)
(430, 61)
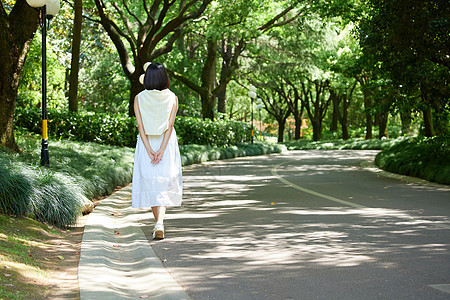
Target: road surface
(307, 225)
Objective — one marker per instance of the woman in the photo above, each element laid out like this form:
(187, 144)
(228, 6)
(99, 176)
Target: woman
(157, 177)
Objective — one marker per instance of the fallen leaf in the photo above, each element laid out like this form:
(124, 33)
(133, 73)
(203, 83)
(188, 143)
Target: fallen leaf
(61, 257)
(272, 203)
(115, 245)
(144, 296)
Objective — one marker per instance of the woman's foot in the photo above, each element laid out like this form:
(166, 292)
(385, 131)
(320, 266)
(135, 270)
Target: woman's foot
(158, 232)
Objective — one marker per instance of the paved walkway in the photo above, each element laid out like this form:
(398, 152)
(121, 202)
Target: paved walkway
(117, 262)
(299, 225)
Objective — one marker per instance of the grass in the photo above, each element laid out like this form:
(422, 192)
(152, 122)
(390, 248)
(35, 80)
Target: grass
(22, 242)
(352, 144)
(427, 158)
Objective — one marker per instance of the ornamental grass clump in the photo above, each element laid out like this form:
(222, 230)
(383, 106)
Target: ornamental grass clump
(57, 195)
(15, 190)
(32, 192)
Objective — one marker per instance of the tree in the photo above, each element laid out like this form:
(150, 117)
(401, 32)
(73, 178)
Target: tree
(138, 31)
(75, 64)
(17, 29)
(410, 39)
(228, 34)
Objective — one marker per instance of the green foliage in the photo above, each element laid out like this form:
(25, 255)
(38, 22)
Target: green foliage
(103, 86)
(353, 144)
(30, 85)
(103, 128)
(427, 158)
(220, 133)
(56, 195)
(121, 130)
(191, 154)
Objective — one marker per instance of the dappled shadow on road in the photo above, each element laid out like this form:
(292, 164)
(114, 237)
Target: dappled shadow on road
(239, 226)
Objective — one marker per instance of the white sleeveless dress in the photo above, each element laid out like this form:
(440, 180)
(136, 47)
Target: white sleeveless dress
(158, 184)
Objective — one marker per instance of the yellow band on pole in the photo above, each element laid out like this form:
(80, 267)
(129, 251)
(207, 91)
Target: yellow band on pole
(44, 130)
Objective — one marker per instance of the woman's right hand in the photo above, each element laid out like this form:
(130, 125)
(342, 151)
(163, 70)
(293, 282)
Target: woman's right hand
(151, 154)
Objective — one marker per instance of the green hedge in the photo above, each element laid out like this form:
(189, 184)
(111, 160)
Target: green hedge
(427, 158)
(192, 154)
(351, 144)
(121, 130)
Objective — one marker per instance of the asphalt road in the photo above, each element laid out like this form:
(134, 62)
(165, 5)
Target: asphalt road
(307, 225)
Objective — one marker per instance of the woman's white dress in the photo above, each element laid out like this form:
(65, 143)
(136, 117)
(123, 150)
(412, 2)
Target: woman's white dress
(158, 184)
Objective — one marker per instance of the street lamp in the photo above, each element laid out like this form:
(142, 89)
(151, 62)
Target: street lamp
(252, 95)
(259, 106)
(47, 9)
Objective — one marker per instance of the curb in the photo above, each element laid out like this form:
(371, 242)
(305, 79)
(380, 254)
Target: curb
(372, 167)
(116, 260)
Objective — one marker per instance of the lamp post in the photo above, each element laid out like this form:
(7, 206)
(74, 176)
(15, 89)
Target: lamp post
(259, 106)
(252, 95)
(47, 9)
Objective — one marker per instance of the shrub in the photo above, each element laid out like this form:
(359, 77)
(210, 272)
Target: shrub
(427, 158)
(191, 154)
(121, 130)
(352, 144)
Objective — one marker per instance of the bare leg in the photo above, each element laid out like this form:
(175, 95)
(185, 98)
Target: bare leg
(159, 213)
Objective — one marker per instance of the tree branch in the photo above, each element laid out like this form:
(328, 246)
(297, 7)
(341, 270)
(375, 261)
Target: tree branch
(111, 28)
(192, 85)
(272, 23)
(132, 14)
(168, 46)
(130, 38)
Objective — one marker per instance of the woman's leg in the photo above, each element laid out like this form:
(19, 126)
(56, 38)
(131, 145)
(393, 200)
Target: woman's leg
(159, 212)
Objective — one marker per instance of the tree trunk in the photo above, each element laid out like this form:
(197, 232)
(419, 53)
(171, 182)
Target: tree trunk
(208, 78)
(428, 122)
(221, 101)
(405, 116)
(75, 64)
(298, 127)
(369, 118)
(207, 105)
(281, 128)
(317, 129)
(16, 33)
(344, 121)
(135, 88)
(383, 125)
(335, 116)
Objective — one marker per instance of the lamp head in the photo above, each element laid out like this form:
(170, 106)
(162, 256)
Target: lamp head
(36, 3)
(53, 7)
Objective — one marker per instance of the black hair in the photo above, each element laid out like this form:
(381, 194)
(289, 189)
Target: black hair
(156, 77)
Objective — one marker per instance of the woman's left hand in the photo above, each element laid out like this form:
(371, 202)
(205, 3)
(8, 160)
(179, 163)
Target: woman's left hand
(157, 157)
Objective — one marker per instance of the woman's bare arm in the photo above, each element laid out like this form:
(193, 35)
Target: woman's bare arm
(137, 113)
